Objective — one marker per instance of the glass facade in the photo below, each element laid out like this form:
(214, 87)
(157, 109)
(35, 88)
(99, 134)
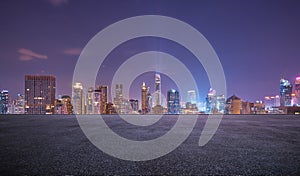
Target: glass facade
(173, 102)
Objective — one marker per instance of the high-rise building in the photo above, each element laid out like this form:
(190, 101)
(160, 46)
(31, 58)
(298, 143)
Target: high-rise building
(157, 93)
(97, 100)
(4, 102)
(286, 89)
(118, 100)
(173, 102)
(39, 94)
(157, 106)
(215, 104)
(144, 99)
(103, 98)
(297, 90)
(149, 100)
(78, 98)
(210, 101)
(192, 97)
(18, 106)
(90, 101)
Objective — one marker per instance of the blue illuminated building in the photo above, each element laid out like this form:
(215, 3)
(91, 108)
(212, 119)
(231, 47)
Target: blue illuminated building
(286, 89)
(173, 102)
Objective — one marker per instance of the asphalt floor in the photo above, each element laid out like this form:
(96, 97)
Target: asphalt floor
(242, 145)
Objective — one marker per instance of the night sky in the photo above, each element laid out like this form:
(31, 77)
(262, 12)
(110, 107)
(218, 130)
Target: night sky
(258, 42)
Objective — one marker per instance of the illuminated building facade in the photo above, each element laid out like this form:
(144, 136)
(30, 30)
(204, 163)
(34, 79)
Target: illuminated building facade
(233, 105)
(134, 105)
(157, 107)
(271, 102)
(67, 107)
(39, 94)
(78, 99)
(215, 104)
(286, 89)
(297, 91)
(157, 93)
(103, 99)
(90, 101)
(173, 102)
(4, 102)
(192, 97)
(144, 100)
(17, 106)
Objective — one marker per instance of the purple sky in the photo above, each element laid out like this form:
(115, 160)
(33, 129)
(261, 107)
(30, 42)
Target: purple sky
(257, 42)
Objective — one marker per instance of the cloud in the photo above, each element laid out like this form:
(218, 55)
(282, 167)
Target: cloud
(72, 51)
(27, 55)
(58, 2)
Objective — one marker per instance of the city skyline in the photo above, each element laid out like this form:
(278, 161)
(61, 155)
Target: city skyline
(255, 49)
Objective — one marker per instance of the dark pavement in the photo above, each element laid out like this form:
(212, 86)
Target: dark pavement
(243, 145)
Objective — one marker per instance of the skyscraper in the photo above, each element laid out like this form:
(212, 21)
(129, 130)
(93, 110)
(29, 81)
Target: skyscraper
(118, 100)
(157, 93)
(90, 101)
(4, 102)
(144, 99)
(297, 90)
(97, 100)
(173, 102)
(286, 89)
(103, 99)
(157, 107)
(211, 101)
(39, 94)
(20, 104)
(78, 99)
(191, 97)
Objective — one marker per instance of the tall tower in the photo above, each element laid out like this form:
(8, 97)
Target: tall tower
(90, 101)
(144, 98)
(39, 94)
(173, 102)
(78, 98)
(4, 100)
(191, 96)
(118, 100)
(286, 89)
(103, 99)
(297, 90)
(157, 93)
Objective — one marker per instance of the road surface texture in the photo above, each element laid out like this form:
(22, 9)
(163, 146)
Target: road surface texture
(242, 145)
